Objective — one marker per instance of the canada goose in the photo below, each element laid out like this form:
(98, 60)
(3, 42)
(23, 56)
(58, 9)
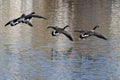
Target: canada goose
(24, 19)
(85, 34)
(58, 30)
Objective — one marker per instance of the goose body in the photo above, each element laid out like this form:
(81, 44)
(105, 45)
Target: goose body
(58, 30)
(85, 33)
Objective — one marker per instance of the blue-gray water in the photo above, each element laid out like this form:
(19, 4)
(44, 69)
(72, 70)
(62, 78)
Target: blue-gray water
(31, 53)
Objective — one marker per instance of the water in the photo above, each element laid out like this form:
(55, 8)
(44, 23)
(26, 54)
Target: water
(31, 53)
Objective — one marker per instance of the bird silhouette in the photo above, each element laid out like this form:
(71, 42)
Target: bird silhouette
(24, 19)
(87, 33)
(58, 30)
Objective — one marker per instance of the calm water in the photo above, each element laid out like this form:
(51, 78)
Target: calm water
(31, 53)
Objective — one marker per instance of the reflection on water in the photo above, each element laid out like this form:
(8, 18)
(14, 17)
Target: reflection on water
(31, 53)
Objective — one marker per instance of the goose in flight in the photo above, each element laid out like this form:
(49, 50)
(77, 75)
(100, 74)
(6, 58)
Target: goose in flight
(24, 19)
(58, 30)
(87, 33)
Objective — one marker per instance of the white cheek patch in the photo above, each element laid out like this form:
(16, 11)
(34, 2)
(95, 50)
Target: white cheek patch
(54, 32)
(93, 30)
(84, 35)
(57, 34)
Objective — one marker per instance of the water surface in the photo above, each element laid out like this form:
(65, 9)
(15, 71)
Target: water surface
(31, 53)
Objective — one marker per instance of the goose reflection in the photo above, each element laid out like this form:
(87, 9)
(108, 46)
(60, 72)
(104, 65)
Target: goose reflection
(57, 54)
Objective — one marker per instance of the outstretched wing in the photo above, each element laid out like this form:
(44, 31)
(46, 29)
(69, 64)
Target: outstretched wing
(35, 16)
(52, 27)
(66, 27)
(100, 36)
(67, 35)
(80, 31)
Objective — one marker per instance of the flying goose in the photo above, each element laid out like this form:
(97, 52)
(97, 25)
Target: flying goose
(24, 19)
(58, 30)
(87, 33)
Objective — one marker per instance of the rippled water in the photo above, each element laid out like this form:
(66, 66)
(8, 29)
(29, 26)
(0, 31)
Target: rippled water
(31, 53)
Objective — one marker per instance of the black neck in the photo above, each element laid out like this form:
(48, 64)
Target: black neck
(95, 27)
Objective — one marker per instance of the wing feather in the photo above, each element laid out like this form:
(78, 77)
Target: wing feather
(36, 16)
(67, 35)
(52, 27)
(100, 36)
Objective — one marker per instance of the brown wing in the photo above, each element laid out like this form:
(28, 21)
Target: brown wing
(100, 36)
(67, 35)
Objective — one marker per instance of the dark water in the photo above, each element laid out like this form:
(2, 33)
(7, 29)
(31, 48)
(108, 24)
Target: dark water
(31, 53)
